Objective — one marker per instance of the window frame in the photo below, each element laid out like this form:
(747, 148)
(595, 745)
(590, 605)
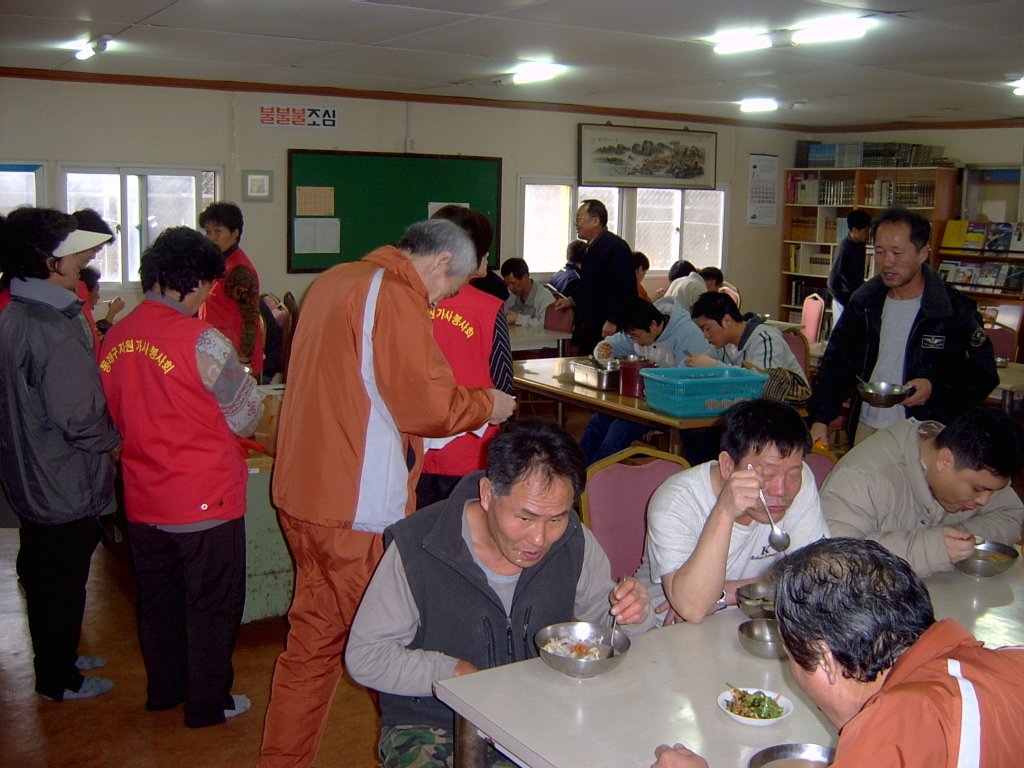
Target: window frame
(40, 168)
(625, 226)
(124, 171)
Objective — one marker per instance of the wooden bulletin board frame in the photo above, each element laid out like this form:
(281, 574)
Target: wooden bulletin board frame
(376, 195)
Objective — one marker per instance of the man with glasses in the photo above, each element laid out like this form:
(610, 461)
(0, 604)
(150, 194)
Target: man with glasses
(608, 279)
(663, 333)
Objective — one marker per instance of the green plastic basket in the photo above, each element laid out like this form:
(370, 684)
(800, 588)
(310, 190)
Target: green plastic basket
(693, 392)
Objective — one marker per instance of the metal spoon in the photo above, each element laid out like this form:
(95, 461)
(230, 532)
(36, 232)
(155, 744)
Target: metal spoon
(778, 538)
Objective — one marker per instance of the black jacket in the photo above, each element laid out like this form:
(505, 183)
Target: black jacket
(947, 346)
(607, 283)
(461, 615)
(55, 431)
(847, 273)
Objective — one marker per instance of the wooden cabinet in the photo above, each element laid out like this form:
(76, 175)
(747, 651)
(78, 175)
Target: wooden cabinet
(818, 201)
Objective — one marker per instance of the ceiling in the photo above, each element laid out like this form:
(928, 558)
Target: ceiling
(942, 61)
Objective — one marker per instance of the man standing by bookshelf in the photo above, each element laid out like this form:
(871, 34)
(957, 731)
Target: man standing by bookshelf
(847, 273)
(905, 325)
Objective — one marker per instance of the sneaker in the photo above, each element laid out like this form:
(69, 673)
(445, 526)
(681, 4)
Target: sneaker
(87, 663)
(241, 702)
(91, 686)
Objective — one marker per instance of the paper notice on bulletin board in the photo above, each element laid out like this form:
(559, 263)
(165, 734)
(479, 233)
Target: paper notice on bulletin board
(314, 201)
(762, 200)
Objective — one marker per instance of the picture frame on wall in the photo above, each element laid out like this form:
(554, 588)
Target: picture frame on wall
(627, 156)
(257, 186)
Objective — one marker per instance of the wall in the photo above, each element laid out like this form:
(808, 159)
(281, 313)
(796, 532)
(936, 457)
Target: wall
(57, 121)
(76, 122)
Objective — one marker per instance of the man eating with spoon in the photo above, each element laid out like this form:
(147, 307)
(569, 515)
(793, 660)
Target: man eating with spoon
(708, 531)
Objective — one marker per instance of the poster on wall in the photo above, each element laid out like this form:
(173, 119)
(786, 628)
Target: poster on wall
(626, 156)
(763, 184)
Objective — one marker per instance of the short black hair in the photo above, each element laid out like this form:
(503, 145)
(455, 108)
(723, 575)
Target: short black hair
(529, 445)
(476, 224)
(90, 276)
(91, 221)
(516, 267)
(858, 219)
(640, 261)
(857, 597)
(920, 227)
(575, 251)
(638, 314)
(680, 269)
(179, 260)
(226, 214)
(751, 425)
(712, 273)
(713, 305)
(597, 208)
(30, 236)
(984, 438)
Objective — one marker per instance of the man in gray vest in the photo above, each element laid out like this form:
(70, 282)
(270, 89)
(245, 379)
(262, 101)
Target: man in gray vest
(504, 556)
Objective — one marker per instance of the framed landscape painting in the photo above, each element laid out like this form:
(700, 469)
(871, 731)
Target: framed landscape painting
(623, 156)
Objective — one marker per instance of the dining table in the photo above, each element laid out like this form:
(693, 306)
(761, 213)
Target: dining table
(665, 691)
(553, 378)
(525, 337)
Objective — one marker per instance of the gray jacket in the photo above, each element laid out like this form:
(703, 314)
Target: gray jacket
(55, 432)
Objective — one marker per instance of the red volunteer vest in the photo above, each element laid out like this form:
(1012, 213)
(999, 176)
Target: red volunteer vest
(180, 460)
(222, 312)
(464, 330)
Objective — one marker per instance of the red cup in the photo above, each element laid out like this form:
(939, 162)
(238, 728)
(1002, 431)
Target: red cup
(631, 383)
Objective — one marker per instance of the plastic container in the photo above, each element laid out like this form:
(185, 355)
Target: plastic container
(695, 392)
(631, 384)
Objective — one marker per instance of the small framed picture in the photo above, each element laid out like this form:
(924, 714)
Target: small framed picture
(257, 186)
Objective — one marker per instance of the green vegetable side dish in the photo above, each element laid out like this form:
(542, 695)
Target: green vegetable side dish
(757, 705)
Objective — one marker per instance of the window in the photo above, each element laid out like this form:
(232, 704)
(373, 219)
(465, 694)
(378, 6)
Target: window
(20, 184)
(666, 224)
(139, 204)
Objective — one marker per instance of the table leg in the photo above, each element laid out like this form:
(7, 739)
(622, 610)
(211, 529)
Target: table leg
(563, 347)
(1008, 401)
(470, 749)
(560, 413)
(675, 441)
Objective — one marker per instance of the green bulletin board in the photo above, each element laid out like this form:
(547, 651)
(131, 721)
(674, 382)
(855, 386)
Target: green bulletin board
(377, 195)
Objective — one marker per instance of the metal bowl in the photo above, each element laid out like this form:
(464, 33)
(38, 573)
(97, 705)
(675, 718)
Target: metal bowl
(633, 359)
(757, 600)
(882, 394)
(762, 638)
(1002, 362)
(989, 559)
(808, 754)
(583, 631)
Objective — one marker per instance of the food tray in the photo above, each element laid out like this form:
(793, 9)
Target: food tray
(589, 375)
(691, 392)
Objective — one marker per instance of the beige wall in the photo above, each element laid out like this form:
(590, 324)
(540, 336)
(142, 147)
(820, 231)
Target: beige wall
(70, 122)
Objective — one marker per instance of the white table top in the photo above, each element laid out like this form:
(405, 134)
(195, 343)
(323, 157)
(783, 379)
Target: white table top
(665, 691)
(524, 337)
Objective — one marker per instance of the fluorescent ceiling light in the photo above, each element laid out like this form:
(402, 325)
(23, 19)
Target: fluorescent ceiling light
(736, 42)
(85, 52)
(845, 28)
(89, 49)
(535, 71)
(1019, 91)
(758, 105)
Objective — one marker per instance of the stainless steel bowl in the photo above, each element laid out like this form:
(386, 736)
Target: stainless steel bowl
(762, 638)
(1002, 362)
(989, 559)
(633, 359)
(583, 631)
(883, 394)
(809, 754)
(757, 600)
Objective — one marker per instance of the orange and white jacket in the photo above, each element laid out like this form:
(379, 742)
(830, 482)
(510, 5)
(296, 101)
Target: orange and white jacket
(947, 703)
(366, 382)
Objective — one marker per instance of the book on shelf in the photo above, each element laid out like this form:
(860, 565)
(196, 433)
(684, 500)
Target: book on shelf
(953, 235)
(947, 269)
(964, 274)
(974, 236)
(1014, 280)
(990, 274)
(998, 236)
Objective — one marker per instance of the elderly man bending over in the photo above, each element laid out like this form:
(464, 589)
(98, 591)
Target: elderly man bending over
(900, 687)
(466, 583)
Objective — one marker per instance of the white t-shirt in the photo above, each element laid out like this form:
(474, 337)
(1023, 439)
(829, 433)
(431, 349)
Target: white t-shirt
(681, 506)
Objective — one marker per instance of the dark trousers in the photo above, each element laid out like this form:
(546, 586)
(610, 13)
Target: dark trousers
(190, 603)
(53, 565)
